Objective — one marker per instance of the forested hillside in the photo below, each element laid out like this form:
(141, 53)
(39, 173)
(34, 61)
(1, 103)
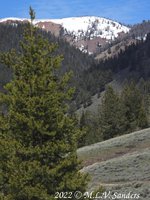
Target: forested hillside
(128, 109)
(136, 58)
(86, 83)
(90, 77)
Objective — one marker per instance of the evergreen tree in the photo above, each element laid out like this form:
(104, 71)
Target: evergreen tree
(142, 120)
(135, 113)
(38, 137)
(89, 124)
(144, 87)
(111, 115)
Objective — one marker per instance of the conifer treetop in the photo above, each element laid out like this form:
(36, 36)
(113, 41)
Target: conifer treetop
(32, 14)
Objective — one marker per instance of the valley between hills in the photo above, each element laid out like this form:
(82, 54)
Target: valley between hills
(110, 75)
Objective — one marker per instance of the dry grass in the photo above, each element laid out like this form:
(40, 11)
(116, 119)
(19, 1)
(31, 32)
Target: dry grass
(120, 164)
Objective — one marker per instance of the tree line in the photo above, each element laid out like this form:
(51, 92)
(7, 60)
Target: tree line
(118, 113)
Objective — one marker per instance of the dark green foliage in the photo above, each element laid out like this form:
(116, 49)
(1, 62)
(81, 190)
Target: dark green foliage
(124, 113)
(112, 120)
(142, 120)
(90, 124)
(135, 58)
(118, 113)
(144, 87)
(134, 107)
(38, 140)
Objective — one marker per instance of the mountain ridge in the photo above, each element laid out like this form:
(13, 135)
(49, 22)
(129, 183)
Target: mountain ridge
(86, 33)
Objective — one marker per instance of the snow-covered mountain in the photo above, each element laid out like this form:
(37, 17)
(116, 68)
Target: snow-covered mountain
(90, 33)
(87, 33)
(91, 27)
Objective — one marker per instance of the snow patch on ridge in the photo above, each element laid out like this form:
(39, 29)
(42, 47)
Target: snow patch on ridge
(81, 27)
(92, 27)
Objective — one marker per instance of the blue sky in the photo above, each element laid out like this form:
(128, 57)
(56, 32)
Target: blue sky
(125, 11)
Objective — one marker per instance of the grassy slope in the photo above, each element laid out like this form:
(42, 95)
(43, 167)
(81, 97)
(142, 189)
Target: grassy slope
(120, 164)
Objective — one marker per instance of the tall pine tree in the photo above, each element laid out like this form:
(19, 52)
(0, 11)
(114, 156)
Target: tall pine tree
(38, 137)
(135, 113)
(111, 115)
